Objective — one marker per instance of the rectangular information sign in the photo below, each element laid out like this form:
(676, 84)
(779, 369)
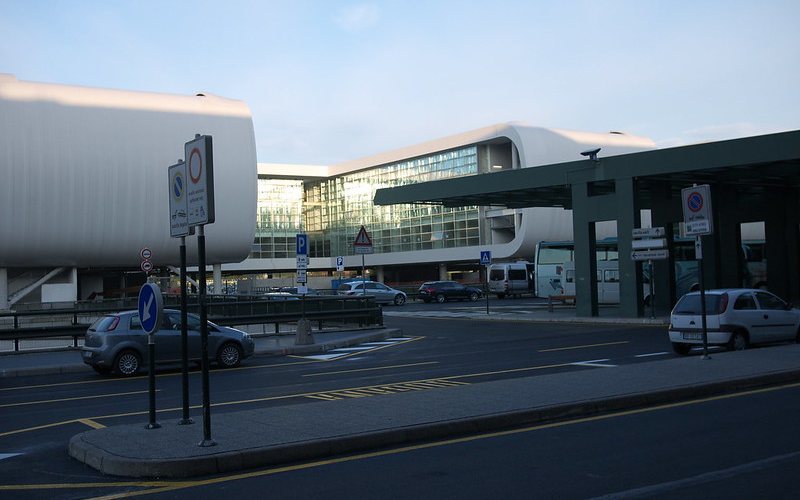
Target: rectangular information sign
(200, 185)
(178, 206)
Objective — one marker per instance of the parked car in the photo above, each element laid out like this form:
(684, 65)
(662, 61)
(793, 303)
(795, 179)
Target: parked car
(442, 291)
(735, 318)
(382, 293)
(117, 343)
(294, 290)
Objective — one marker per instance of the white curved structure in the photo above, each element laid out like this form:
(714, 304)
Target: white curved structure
(507, 233)
(84, 175)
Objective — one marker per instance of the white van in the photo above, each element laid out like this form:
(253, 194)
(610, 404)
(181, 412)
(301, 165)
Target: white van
(511, 278)
(607, 282)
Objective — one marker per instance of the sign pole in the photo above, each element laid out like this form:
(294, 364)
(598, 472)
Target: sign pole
(486, 288)
(201, 255)
(652, 297)
(150, 308)
(363, 276)
(699, 255)
(184, 339)
(151, 381)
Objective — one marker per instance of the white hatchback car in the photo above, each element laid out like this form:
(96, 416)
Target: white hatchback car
(735, 318)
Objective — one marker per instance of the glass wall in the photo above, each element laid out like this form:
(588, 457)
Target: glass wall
(334, 209)
(279, 219)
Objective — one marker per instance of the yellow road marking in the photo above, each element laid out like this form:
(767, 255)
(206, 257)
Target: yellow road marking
(583, 346)
(78, 398)
(91, 423)
(58, 486)
(404, 449)
(370, 369)
(287, 396)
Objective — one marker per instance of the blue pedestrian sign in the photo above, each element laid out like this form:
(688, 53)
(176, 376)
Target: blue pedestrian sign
(486, 257)
(302, 244)
(151, 306)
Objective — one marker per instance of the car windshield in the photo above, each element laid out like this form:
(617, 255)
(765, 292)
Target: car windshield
(690, 304)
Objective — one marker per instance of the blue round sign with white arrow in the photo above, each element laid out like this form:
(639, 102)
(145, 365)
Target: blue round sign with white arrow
(151, 306)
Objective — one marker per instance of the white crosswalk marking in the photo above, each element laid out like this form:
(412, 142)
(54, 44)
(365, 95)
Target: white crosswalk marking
(361, 348)
(3, 456)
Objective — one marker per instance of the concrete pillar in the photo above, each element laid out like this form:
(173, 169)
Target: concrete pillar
(443, 272)
(217, 271)
(665, 212)
(3, 288)
(630, 284)
(379, 274)
(584, 235)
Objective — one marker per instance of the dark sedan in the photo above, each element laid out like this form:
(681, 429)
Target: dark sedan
(442, 291)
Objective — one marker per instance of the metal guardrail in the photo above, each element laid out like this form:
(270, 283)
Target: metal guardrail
(223, 310)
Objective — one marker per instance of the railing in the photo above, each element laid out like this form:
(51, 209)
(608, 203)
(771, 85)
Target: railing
(221, 309)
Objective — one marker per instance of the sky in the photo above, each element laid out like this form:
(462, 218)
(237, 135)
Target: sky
(329, 81)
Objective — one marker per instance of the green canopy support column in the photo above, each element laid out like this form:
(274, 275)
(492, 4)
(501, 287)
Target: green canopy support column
(631, 298)
(584, 236)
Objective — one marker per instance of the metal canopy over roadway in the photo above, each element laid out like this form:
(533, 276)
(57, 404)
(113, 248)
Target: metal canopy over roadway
(754, 163)
(752, 179)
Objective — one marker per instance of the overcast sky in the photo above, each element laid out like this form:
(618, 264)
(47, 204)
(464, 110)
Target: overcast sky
(329, 81)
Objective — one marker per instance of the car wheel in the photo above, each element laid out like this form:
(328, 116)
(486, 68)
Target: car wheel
(128, 363)
(440, 298)
(501, 295)
(797, 337)
(229, 355)
(399, 299)
(681, 349)
(473, 296)
(738, 341)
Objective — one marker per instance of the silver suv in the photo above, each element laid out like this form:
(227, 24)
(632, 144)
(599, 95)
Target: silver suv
(382, 293)
(116, 342)
(735, 318)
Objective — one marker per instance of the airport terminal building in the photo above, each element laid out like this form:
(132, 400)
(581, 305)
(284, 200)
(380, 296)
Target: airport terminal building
(85, 192)
(414, 242)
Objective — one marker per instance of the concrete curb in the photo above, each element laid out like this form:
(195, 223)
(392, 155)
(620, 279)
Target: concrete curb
(229, 461)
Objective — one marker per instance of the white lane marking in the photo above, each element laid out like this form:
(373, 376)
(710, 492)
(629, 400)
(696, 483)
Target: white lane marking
(323, 357)
(662, 353)
(3, 456)
(352, 349)
(594, 362)
(706, 478)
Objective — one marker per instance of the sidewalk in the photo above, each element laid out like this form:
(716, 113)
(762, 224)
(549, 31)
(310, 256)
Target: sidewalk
(279, 435)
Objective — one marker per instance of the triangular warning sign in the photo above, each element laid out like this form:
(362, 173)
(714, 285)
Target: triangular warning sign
(362, 238)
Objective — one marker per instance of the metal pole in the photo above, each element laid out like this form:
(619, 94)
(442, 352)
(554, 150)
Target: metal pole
(699, 254)
(184, 339)
(201, 258)
(652, 297)
(151, 380)
(486, 288)
(363, 276)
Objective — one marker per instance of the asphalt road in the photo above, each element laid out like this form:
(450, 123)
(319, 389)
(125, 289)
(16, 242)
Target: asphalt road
(737, 447)
(40, 414)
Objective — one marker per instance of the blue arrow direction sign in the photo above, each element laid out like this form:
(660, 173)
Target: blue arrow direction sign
(151, 306)
(486, 257)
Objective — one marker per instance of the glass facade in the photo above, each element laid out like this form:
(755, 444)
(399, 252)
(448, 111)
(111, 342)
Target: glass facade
(332, 210)
(279, 219)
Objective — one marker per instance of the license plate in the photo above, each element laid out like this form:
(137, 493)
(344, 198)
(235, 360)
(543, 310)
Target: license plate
(692, 336)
